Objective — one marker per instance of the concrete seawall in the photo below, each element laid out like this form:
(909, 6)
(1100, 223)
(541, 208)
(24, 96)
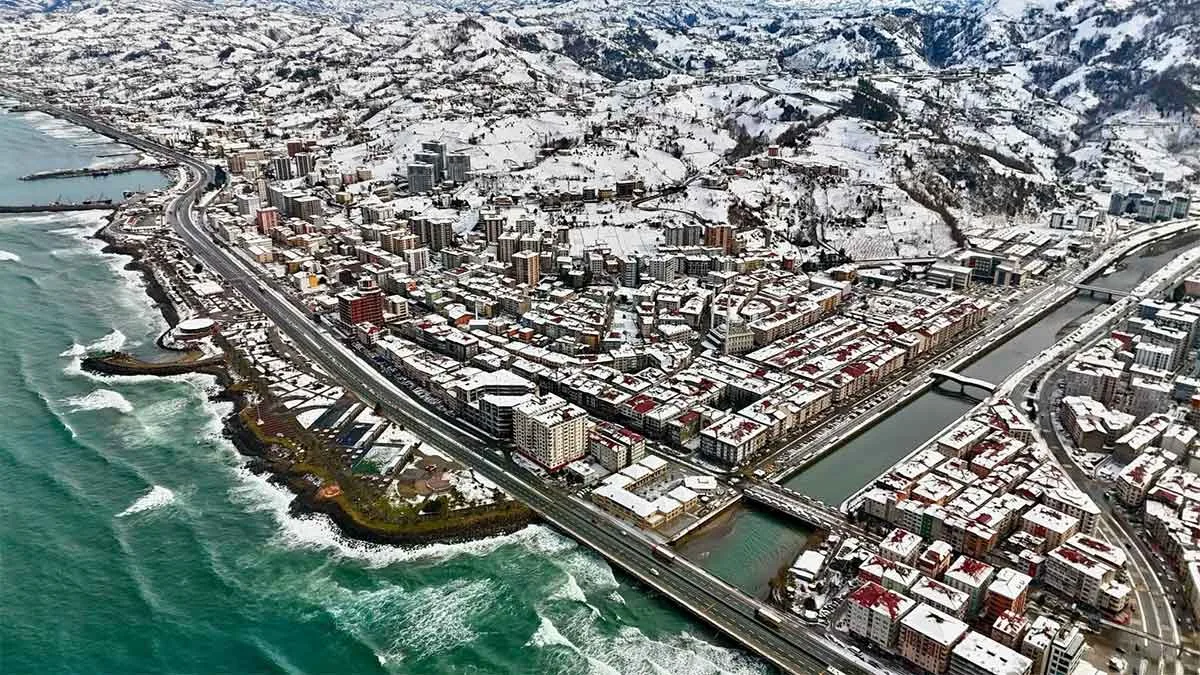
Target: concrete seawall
(96, 172)
(52, 208)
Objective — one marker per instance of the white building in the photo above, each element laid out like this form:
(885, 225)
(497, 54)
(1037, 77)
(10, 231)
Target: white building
(733, 439)
(901, 546)
(978, 654)
(971, 577)
(946, 598)
(550, 431)
(1085, 569)
(927, 636)
(1052, 525)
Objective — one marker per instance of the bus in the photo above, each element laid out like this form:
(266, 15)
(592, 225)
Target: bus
(665, 554)
(768, 617)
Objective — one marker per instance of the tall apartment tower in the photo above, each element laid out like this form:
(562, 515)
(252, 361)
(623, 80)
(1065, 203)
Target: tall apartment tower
(437, 151)
(526, 267)
(421, 178)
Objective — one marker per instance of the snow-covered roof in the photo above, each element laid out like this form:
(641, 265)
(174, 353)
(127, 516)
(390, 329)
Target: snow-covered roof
(990, 656)
(934, 624)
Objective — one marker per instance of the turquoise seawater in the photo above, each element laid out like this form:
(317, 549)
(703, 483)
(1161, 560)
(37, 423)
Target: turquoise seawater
(133, 542)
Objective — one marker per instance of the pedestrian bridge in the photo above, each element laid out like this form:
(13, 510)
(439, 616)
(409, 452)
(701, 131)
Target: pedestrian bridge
(964, 382)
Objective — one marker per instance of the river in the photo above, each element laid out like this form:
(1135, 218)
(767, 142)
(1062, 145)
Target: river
(750, 545)
(135, 543)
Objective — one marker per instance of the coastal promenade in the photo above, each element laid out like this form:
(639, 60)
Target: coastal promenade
(778, 638)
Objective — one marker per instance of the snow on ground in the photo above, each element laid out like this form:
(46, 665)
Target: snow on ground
(622, 240)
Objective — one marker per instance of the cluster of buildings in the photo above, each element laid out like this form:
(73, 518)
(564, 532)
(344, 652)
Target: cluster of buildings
(434, 167)
(986, 492)
(490, 313)
(928, 622)
(1151, 205)
(1008, 257)
(1144, 369)
(1163, 483)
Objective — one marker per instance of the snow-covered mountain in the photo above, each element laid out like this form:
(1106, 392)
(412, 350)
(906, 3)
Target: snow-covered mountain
(975, 110)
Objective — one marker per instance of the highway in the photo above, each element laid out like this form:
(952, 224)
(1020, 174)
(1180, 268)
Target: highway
(791, 646)
(1151, 600)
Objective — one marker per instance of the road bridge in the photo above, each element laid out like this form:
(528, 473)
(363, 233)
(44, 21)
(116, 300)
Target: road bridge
(1109, 294)
(804, 508)
(899, 261)
(941, 376)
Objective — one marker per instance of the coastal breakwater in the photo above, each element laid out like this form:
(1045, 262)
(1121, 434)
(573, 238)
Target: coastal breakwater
(96, 172)
(103, 205)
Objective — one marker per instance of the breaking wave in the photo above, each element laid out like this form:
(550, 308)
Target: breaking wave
(109, 343)
(7, 256)
(100, 399)
(398, 623)
(157, 497)
(570, 591)
(548, 635)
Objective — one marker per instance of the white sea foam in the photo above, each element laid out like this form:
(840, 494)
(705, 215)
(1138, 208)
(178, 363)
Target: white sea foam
(26, 219)
(570, 591)
(587, 569)
(398, 622)
(100, 399)
(681, 653)
(109, 343)
(8, 256)
(318, 532)
(65, 253)
(79, 232)
(75, 367)
(76, 349)
(548, 635)
(157, 497)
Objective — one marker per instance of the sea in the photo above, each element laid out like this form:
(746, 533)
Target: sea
(133, 541)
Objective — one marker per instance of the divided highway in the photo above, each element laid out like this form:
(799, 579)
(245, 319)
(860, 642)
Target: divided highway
(781, 640)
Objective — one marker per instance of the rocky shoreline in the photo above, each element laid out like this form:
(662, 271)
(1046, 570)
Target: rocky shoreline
(262, 458)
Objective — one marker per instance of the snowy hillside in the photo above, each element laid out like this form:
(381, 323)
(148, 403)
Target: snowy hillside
(933, 115)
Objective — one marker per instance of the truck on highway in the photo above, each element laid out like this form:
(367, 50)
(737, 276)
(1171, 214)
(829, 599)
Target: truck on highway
(665, 554)
(768, 617)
